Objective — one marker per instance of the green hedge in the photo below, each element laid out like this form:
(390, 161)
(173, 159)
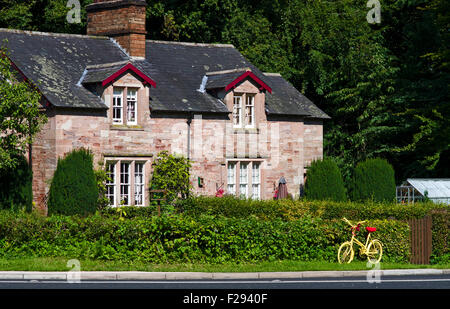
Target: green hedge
(179, 238)
(288, 210)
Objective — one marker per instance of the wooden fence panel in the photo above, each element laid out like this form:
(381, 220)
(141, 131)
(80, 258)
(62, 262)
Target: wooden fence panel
(420, 240)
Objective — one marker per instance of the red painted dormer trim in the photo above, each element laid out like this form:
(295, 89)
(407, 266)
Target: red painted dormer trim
(234, 83)
(129, 67)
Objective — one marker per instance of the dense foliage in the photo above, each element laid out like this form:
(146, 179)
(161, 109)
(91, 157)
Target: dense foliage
(16, 186)
(373, 179)
(324, 181)
(73, 189)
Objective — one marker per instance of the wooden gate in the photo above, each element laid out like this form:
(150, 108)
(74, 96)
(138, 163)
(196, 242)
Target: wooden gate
(420, 240)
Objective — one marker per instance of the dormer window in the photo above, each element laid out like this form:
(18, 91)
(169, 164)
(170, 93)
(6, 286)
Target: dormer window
(244, 115)
(125, 114)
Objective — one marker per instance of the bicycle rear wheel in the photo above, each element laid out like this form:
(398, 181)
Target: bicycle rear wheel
(345, 253)
(374, 251)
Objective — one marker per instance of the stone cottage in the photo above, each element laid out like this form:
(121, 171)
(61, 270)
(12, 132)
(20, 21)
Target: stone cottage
(127, 98)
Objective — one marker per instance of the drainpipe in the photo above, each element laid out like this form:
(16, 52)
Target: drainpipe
(189, 121)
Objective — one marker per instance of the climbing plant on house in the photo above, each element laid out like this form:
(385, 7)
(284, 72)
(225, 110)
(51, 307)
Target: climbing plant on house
(171, 173)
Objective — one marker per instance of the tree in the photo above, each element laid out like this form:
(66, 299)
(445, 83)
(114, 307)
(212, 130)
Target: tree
(324, 181)
(16, 187)
(171, 173)
(373, 179)
(73, 189)
(20, 115)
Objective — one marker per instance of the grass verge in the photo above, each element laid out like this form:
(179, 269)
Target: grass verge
(59, 264)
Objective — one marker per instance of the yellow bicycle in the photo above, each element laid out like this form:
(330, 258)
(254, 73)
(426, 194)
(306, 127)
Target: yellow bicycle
(373, 249)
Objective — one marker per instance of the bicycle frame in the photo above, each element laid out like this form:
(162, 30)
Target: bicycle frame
(375, 253)
(359, 243)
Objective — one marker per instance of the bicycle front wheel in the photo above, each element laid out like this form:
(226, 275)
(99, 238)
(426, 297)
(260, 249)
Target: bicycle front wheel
(374, 251)
(345, 253)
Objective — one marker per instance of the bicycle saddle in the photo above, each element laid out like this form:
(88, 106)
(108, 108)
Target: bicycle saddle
(371, 229)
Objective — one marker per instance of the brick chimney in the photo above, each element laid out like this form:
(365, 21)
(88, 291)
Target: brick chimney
(122, 20)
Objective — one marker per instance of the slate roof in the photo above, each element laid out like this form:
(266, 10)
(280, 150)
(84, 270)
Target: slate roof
(60, 64)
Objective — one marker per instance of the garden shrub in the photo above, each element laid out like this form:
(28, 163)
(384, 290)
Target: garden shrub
(324, 181)
(373, 179)
(73, 189)
(16, 187)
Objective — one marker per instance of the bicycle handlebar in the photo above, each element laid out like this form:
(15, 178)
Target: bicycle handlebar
(351, 224)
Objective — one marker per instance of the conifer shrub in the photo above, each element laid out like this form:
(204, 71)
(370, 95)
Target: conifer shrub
(324, 181)
(373, 179)
(16, 186)
(73, 188)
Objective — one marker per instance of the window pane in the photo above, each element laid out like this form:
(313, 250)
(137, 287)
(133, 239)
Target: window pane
(231, 178)
(131, 105)
(249, 110)
(117, 105)
(256, 181)
(111, 183)
(125, 183)
(139, 184)
(243, 180)
(237, 110)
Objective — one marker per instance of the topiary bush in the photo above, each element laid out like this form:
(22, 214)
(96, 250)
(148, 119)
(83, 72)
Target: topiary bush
(373, 179)
(73, 189)
(324, 181)
(16, 187)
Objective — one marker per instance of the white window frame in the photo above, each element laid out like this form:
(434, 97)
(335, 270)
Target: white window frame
(237, 110)
(243, 178)
(111, 182)
(132, 99)
(231, 178)
(125, 184)
(139, 192)
(249, 98)
(117, 105)
(256, 180)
